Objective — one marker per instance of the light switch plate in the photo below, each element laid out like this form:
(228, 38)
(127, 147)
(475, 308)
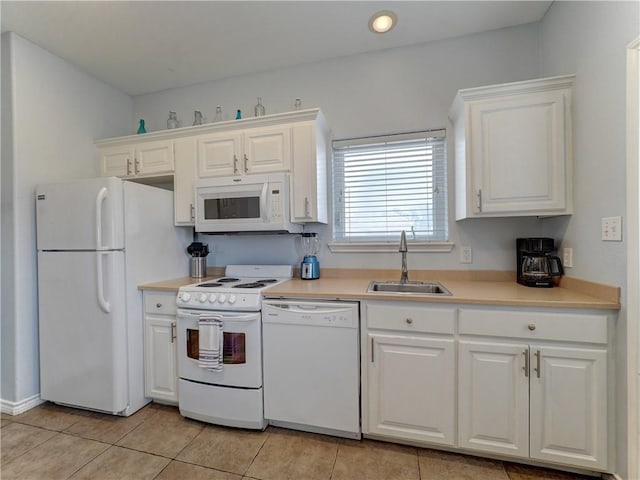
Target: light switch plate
(612, 229)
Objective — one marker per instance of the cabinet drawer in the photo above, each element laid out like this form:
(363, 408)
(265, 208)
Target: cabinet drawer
(410, 318)
(163, 303)
(573, 327)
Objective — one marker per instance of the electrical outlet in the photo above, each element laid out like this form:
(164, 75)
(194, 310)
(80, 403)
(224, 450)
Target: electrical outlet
(567, 257)
(466, 255)
(612, 229)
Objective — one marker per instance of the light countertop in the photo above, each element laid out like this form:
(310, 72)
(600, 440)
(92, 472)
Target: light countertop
(480, 287)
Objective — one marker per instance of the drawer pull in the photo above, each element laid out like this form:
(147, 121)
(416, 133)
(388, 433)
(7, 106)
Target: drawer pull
(531, 326)
(409, 320)
(158, 305)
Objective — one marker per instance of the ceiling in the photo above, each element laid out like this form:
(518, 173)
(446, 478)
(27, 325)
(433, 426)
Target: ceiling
(147, 46)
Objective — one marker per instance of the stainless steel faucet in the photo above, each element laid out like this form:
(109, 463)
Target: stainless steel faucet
(404, 277)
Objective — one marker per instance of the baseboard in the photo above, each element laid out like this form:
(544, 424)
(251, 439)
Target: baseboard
(16, 408)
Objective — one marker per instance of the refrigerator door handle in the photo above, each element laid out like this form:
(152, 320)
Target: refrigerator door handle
(102, 195)
(104, 304)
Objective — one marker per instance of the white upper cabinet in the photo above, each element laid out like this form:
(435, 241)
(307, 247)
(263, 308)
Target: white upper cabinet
(295, 142)
(242, 152)
(310, 145)
(130, 160)
(513, 154)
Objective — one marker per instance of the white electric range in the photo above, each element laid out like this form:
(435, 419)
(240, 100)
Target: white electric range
(231, 396)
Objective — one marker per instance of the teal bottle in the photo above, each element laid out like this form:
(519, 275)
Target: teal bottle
(238, 115)
(141, 128)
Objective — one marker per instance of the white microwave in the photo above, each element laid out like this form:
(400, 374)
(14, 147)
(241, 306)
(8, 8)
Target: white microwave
(251, 203)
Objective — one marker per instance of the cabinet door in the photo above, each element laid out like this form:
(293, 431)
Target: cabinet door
(493, 397)
(154, 158)
(183, 181)
(411, 388)
(219, 154)
(308, 178)
(569, 406)
(160, 368)
(518, 154)
(116, 161)
(267, 150)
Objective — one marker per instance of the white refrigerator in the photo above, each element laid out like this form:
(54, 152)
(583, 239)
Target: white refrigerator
(97, 240)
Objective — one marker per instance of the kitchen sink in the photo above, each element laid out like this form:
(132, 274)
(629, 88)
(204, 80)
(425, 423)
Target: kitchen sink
(422, 288)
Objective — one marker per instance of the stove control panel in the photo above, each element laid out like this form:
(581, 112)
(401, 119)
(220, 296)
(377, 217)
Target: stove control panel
(219, 301)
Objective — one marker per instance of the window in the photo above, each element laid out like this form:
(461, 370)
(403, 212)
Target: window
(383, 185)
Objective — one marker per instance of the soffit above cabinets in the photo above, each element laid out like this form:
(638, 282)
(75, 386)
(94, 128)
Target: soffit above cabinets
(143, 47)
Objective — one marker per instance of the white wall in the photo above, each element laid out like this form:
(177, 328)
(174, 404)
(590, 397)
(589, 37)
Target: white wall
(397, 90)
(590, 39)
(57, 112)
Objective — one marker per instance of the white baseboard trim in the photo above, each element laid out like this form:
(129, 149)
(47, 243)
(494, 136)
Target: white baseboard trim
(16, 408)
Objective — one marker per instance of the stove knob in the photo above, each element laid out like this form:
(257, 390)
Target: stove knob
(232, 298)
(202, 297)
(212, 298)
(222, 298)
(185, 297)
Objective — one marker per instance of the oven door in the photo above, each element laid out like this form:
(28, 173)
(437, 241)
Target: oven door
(242, 351)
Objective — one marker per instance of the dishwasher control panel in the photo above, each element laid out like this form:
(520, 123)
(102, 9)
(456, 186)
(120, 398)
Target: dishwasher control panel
(328, 314)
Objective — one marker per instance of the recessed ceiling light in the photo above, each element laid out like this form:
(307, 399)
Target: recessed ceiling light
(383, 21)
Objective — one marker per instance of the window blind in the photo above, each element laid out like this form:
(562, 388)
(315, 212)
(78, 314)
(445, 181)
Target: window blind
(383, 185)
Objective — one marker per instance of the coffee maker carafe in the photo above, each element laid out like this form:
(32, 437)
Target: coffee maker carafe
(536, 264)
(310, 267)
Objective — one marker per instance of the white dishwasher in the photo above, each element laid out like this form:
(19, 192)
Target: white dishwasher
(312, 366)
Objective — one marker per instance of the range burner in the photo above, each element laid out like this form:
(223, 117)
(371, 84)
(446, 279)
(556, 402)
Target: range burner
(210, 284)
(267, 280)
(250, 285)
(227, 280)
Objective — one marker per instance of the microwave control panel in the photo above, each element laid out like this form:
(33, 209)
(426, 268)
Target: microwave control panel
(276, 202)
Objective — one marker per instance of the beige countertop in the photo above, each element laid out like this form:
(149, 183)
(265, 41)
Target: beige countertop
(466, 287)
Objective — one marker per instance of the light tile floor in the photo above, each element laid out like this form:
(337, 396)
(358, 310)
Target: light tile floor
(51, 442)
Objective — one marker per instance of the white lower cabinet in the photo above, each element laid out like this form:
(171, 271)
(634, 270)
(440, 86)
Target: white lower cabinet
(534, 396)
(410, 372)
(160, 356)
(519, 383)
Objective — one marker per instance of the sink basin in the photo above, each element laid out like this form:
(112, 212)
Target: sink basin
(422, 288)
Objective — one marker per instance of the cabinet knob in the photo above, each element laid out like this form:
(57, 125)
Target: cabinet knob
(409, 320)
(531, 326)
(158, 305)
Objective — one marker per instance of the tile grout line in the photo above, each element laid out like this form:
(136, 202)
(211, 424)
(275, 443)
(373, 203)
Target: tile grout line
(268, 434)
(335, 460)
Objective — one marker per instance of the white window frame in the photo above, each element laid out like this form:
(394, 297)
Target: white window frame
(376, 245)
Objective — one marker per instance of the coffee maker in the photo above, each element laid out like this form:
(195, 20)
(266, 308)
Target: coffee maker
(536, 264)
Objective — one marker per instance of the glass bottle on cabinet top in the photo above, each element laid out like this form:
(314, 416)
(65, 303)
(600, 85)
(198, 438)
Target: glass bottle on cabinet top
(218, 117)
(172, 122)
(297, 105)
(238, 115)
(141, 128)
(259, 108)
(197, 117)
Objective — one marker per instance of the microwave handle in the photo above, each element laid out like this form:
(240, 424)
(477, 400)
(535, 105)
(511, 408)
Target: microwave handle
(263, 202)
